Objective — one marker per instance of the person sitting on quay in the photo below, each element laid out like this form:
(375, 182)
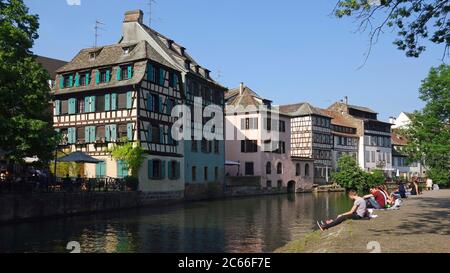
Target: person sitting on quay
(375, 199)
(415, 190)
(358, 212)
(401, 192)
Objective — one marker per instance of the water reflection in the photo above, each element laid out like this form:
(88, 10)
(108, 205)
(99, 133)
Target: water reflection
(259, 224)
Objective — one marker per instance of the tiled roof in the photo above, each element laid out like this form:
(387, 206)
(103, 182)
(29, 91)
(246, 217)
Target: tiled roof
(338, 118)
(111, 55)
(51, 65)
(138, 75)
(398, 139)
(301, 109)
(247, 98)
(362, 108)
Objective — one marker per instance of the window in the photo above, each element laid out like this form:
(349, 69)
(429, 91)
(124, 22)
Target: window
(307, 170)
(249, 146)
(122, 131)
(80, 135)
(269, 184)
(194, 173)
(100, 134)
(64, 107)
(216, 146)
(297, 169)
(100, 103)
(249, 168)
(125, 72)
(84, 79)
(194, 147)
(155, 132)
(105, 75)
(122, 101)
(153, 103)
(100, 169)
(367, 156)
(81, 106)
(373, 156)
(279, 168)
(122, 169)
(268, 168)
(268, 124)
(282, 126)
(205, 174)
(68, 80)
(249, 123)
(157, 169)
(216, 173)
(280, 184)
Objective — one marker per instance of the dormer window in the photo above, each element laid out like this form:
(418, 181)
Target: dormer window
(127, 49)
(187, 64)
(92, 56)
(197, 69)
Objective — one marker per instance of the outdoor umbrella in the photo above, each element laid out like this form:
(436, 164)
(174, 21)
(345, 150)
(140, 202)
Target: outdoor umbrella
(78, 157)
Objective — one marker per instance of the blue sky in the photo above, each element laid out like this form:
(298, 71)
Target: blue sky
(287, 51)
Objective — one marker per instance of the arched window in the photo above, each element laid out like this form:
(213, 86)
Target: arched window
(279, 168)
(268, 168)
(297, 169)
(306, 169)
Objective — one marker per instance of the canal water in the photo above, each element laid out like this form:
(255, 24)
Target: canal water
(254, 224)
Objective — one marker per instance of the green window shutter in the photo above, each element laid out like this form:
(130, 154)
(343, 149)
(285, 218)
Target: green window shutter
(150, 73)
(61, 82)
(119, 73)
(129, 99)
(169, 170)
(120, 167)
(97, 77)
(130, 71)
(100, 169)
(108, 75)
(163, 169)
(149, 133)
(87, 103)
(161, 134)
(92, 133)
(87, 78)
(92, 104)
(71, 135)
(113, 132)
(72, 106)
(178, 167)
(130, 131)
(113, 101)
(77, 80)
(160, 104)
(57, 107)
(150, 169)
(70, 80)
(175, 80)
(169, 106)
(162, 76)
(150, 102)
(108, 133)
(170, 140)
(87, 138)
(107, 102)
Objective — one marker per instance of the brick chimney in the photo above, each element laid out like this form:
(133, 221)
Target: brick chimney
(134, 16)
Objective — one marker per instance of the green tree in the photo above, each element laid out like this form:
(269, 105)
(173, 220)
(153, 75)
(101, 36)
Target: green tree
(414, 21)
(25, 116)
(429, 131)
(131, 153)
(349, 174)
(375, 178)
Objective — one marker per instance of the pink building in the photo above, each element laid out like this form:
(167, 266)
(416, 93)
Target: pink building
(258, 138)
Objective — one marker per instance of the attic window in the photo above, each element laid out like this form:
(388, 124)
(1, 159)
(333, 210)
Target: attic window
(92, 56)
(127, 50)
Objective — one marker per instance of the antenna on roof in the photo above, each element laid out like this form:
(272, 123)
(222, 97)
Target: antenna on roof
(150, 9)
(96, 29)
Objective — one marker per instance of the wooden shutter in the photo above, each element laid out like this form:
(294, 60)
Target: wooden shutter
(70, 80)
(92, 133)
(92, 104)
(113, 132)
(57, 107)
(77, 80)
(113, 101)
(130, 71)
(150, 102)
(119, 73)
(87, 78)
(107, 102)
(150, 169)
(163, 169)
(129, 99)
(97, 77)
(130, 131)
(108, 75)
(61, 82)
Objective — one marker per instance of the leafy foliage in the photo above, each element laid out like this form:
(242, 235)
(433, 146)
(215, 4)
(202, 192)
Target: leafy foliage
(429, 131)
(25, 116)
(349, 174)
(414, 20)
(375, 178)
(131, 153)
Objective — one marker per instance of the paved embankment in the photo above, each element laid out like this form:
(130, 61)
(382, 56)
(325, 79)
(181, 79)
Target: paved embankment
(422, 224)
